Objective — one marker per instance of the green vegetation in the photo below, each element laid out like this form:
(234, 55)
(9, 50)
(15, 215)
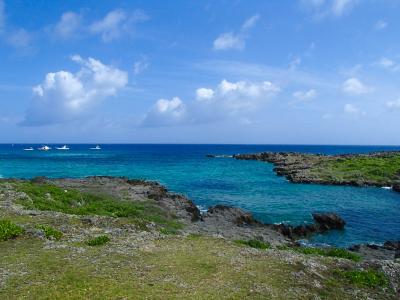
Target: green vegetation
(174, 268)
(50, 232)
(329, 252)
(9, 230)
(379, 170)
(370, 278)
(254, 244)
(98, 241)
(44, 196)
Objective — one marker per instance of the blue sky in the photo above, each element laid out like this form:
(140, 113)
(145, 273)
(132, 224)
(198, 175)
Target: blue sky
(292, 72)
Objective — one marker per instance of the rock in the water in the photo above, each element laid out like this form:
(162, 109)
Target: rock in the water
(396, 187)
(328, 221)
(323, 223)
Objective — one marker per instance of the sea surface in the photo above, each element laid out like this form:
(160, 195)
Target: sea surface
(372, 214)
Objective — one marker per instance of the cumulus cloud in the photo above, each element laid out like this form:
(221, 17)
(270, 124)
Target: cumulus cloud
(323, 8)
(227, 99)
(116, 23)
(354, 86)
(68, 26)
(231, 40)
(64, 96)
(393, 104)
(305, 95)
(204, 94)
(165, 113)
(351, 109)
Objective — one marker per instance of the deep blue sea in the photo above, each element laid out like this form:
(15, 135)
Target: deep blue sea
(372, 214)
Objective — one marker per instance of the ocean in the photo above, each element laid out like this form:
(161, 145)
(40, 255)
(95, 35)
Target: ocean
(372, 214)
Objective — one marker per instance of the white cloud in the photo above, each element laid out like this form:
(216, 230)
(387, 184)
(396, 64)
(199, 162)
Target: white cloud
(68, 26)
(354, 86)
(339, 7)
(64, 96)
(351, 109)
(380, 25)
(228, 99)
(393, 104)
(116, 23)
(323, 8)
(165, 113)
(140, 65)
(231, 40)
(305, 95)
(203, 94)
(388, 64)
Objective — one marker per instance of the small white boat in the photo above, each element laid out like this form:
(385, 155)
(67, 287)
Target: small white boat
(44, 148)
(96, 148)
(65, 147)
(29, 149)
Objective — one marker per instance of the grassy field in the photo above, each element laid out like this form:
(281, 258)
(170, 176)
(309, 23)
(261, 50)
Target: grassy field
(174, 268)
(380, 170)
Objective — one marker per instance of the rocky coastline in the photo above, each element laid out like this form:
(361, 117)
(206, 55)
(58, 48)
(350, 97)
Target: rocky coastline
(344, 169)
(143, 221)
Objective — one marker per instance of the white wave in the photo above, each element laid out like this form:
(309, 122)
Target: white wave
(202, 209)
(387, 187)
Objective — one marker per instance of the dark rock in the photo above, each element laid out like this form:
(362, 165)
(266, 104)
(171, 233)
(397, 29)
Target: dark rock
(390, 250)
(323, 223)
(193, 210)
(396, 187)
(328, 221)
(233, 215)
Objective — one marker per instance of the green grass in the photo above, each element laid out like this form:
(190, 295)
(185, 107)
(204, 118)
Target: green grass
(50, 232)
(9, 230)
(370, 278)
(329, 252)
(174, 268)
(380, 170)
(44, 196)
(253, 244)
(98, 241)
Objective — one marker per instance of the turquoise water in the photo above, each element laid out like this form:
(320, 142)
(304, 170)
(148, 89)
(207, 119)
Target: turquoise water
(372, 214)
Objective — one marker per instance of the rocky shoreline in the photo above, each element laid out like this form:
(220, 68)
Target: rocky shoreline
(155, 235)
(344, 169)
(219, 221)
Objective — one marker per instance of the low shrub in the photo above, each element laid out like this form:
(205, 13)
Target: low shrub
(98, 241)
(50, 232)
(371, 278)
(9, 230)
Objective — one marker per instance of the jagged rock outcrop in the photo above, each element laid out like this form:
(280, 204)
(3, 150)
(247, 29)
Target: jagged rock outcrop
(323, 223)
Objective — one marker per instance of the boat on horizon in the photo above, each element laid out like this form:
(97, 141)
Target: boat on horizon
(29, 149)
(65, 147)
(44, 148)
(96, 148)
